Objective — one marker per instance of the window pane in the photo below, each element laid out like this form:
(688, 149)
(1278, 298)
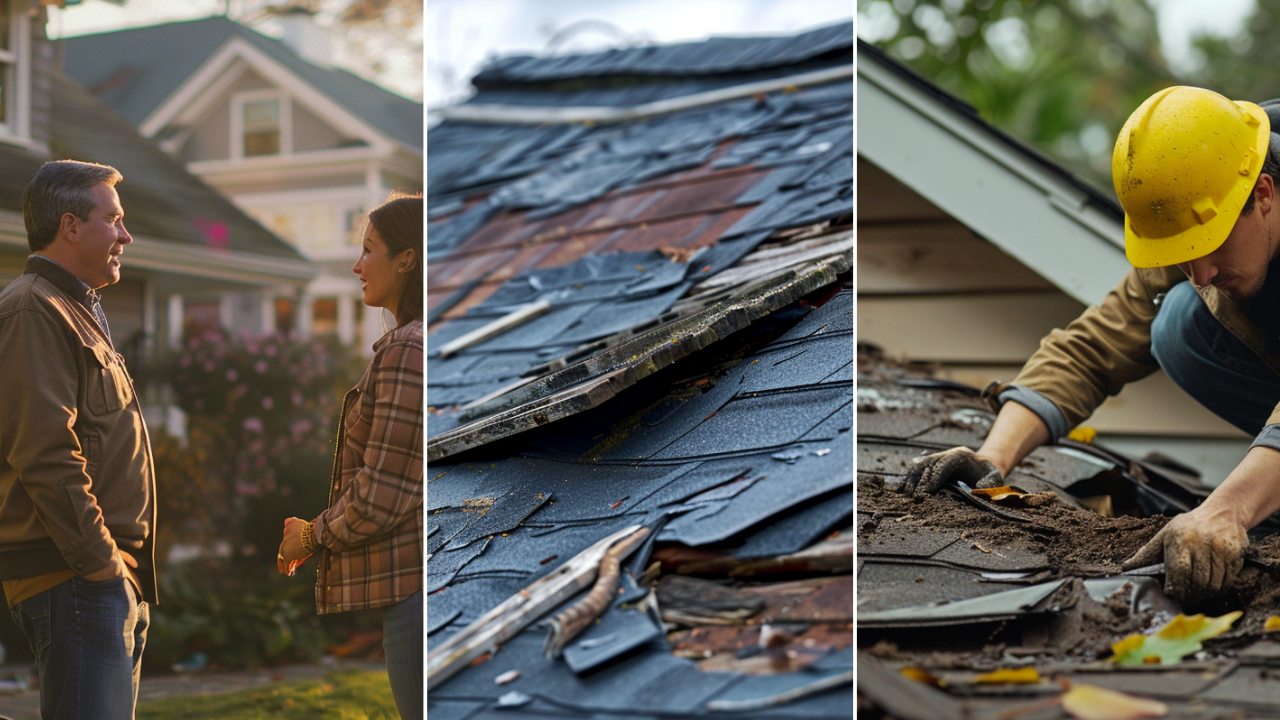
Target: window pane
(6, 86)
(260, 113)
(261, 143)
(6, 43)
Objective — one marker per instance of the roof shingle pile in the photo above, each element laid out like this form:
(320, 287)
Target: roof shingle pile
(664, 310)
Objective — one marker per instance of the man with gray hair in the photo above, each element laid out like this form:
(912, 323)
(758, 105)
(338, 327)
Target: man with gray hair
(77, 484)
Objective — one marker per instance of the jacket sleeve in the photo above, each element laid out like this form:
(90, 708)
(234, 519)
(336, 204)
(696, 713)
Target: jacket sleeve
(1100, 352)
(387, 490)
(41, 382)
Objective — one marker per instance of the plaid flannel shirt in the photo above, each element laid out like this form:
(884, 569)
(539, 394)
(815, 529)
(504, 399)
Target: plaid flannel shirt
(371, 534)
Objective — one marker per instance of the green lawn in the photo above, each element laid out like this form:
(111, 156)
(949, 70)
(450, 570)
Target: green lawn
(346, 695)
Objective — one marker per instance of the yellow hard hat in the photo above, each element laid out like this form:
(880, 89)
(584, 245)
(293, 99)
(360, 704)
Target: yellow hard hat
(1184, 164)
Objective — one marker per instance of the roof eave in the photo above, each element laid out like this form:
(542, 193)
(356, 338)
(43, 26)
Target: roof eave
(1041, 215)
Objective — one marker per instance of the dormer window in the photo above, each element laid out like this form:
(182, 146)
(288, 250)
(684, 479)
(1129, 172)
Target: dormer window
(260, 124)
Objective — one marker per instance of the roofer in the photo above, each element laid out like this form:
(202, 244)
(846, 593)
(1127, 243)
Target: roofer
(1197, 175)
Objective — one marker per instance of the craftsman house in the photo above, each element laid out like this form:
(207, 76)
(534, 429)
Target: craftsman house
(187, 237)
(969, 268)
(640, 351)
(301, 146)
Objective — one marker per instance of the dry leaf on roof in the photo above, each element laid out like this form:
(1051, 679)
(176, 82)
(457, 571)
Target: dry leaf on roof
(924, 676)
(1090, 702)
(1013, 497)
(1179, 638)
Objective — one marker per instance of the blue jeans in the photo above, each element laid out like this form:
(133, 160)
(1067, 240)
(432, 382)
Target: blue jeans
(402, 642)
(1210, 364)
(88, 639)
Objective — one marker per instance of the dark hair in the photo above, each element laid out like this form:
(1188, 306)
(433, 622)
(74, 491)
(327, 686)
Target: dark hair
(399, 222)
(1270, 166)
(60, 187)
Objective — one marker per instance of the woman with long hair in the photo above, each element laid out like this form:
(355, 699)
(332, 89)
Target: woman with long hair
(370, 537)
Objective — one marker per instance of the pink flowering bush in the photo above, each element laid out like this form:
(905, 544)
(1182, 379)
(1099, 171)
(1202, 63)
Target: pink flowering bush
(262, 415)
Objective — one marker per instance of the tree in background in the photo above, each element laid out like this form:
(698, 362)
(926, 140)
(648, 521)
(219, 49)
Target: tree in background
(1061, 74)
(1243, 67)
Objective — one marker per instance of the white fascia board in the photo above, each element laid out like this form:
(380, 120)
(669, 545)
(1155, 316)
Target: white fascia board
(196, 87)
(521, 115)
(999, 193)
(349, 193)
(228, 265)
(312, 163)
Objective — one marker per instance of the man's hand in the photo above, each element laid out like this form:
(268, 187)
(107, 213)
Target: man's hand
(1203, 552)
(112, 571)
(930, 473)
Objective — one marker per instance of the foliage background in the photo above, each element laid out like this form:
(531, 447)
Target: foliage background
(1064, 75)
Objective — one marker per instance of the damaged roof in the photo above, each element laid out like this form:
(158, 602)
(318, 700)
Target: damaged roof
(954, 585)
(644, 324)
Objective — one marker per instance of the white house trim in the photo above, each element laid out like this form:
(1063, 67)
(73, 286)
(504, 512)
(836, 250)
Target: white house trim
(191, 90)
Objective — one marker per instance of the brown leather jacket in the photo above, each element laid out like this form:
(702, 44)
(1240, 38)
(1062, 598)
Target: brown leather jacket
(76, 472)
(1109, 345)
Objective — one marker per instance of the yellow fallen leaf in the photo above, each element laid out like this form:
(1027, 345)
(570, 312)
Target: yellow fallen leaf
(1002, 676)
(1090, 702)
(1272, 624)
(1083, 434)
(923, 676)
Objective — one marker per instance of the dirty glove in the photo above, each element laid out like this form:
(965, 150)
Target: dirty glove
(930, 473)
(1202, 555)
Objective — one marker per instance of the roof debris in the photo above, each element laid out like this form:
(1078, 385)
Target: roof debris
(1049, 597)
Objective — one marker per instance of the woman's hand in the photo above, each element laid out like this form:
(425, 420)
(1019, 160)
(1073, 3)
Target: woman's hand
(291, 553)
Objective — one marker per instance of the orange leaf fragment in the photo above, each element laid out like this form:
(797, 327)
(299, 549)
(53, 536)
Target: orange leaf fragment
(1272, 624)
(1090, 702)
(923, 676)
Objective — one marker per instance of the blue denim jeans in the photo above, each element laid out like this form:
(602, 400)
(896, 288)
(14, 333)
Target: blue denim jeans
(88, 639)
(402, 643)
(1210, 364)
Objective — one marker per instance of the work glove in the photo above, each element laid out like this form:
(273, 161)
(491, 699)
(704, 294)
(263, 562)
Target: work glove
(930, 473)
(1202, 555)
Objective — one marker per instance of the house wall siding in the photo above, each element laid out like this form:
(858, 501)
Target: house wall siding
(311, 133)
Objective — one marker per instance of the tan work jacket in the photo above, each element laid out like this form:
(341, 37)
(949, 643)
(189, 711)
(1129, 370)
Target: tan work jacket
(76, 472)
(1109, 345)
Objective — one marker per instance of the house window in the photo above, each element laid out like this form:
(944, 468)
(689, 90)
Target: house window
(262, 127)
(14, 71)
(260, 124)
(353, 225)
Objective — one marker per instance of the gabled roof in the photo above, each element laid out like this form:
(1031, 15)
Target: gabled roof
(135, 84)
(162, 200)
(1002, 189)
